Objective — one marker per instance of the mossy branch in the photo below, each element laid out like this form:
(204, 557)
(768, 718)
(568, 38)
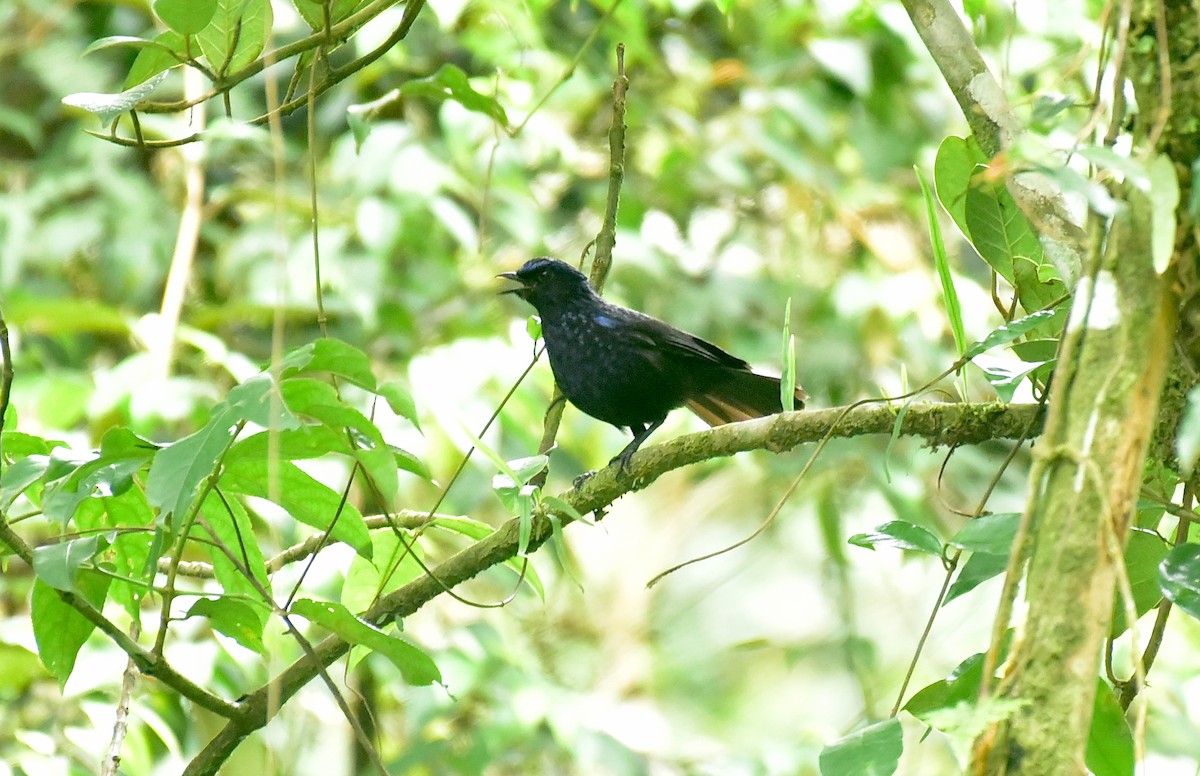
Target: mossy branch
(938, 424)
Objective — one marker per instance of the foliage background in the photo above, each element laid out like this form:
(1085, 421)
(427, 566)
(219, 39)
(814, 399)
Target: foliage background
(771, 149)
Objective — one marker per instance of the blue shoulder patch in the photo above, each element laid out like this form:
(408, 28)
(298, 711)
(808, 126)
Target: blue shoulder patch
(606, 321)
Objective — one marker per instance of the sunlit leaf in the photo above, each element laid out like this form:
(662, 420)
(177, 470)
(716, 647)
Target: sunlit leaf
(108, 106)
(991, 534)
(1179, 578)
(60, 630)
(1009, 332)
(58, 564)
(450, 82)
(332, 356)
(942, 263)
(902, 534)
(186, 17)
(236, 35)
(873, 751)
(416, 666)
(1143, 554)
(979, 568)
(169, 50)
(305, 498)
(956, 162)
(237, 620)
(1110, 749)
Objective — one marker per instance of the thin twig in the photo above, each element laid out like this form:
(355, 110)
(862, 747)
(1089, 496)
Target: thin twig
(112, 761)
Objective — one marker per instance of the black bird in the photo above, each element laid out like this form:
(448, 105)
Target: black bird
(629, 369)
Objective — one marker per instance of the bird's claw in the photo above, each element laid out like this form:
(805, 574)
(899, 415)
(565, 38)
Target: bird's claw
(622, 461)
(581, 479)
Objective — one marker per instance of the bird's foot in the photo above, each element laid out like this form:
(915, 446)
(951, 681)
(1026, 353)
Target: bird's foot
(622, 460)
(581, 479)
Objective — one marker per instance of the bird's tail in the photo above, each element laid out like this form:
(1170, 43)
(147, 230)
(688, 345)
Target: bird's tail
(741, 396)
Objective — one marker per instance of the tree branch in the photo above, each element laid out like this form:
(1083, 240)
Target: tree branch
(939, 424)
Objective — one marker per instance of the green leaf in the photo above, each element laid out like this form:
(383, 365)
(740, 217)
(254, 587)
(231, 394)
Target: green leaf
(942, 262)
(400, 399)
(1187, 439)
(450, 82)
(252, 401)
(1179, 578)
(1143, 554)
(1038, 284)
(410, 463)
(305, 498)
(1003, 237)
(108, 106)
(60, 630)
(1009, 332)
(231, 527)
(957, 160)
(787, 382)
(330, 356)
(902, 534)
(991, 534)
(117, 42)
(873, 751)
(1164, 200)
(236, 35)
(1006, 376)
(394, 562)
(186, 17)
(58, 564)
(962, 685)
(314, 13)
(19, 476)
(533, 327)
(129, 552)
(289, 444)
(979, 568)
(1132, 170)
(1110, 749)
(239, 621)
(897, 424)
(416, 666)
(319, 401)
(170, 50)
(179, 469)
(1041, 351)
(66, 315)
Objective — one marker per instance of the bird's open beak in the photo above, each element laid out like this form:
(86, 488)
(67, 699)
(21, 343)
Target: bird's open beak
(519, 290)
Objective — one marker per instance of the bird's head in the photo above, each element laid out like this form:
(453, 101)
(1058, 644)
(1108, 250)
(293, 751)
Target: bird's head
(547, 283)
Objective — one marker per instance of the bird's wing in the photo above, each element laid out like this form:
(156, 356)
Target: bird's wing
(658, 335)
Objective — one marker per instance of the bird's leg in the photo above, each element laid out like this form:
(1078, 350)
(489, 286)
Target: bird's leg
(640, 434)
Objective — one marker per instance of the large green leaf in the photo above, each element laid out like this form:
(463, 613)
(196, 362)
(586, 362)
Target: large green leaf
(1179, 577)
(902, 534)
(236, 35)
(873, 751)
(416, 666)
(60, 630)
(108, 106)
(306, 499)
(451, 83)
(186, 17)
(1110, 749)
(956, 162)
(1143, 554)
(319, 401)
(179, 469)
